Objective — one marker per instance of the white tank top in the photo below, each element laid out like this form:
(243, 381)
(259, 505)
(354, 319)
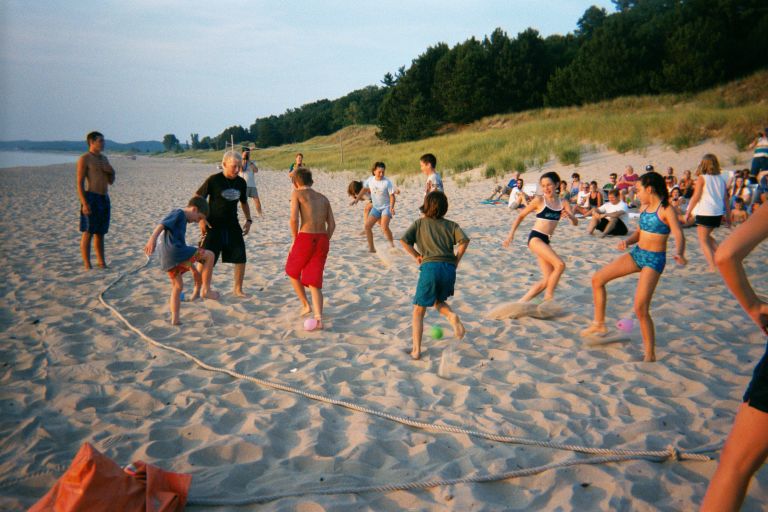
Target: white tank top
(712, 202)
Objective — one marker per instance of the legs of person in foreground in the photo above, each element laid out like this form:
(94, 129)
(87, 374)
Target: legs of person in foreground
(317, 305)
(743, 454)
(708, 245)
(98, 243)
(239, 275)
(621, 266)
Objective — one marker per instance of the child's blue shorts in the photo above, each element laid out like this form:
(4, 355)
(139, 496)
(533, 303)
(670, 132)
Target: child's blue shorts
(436, 282)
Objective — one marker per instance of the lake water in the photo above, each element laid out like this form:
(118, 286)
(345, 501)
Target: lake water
(35, 158)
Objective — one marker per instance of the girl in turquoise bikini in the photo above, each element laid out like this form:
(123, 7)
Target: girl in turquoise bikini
(648, 257)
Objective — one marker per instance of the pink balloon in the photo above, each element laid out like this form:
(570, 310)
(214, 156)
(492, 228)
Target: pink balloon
(625, 324)
(310, 324)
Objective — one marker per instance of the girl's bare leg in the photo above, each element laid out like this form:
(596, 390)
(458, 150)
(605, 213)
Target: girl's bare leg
(545, 254)
(370, 221)
(207, 274)
(385, 228)
(546, 271)
(646, 285)
(621, 266)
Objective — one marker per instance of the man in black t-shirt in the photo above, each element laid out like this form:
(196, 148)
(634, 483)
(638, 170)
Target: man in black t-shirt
(222, 232)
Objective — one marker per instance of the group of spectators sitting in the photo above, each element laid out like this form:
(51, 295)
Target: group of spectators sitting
(609, 205)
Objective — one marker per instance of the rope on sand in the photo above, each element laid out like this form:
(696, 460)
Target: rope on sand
(605, 455)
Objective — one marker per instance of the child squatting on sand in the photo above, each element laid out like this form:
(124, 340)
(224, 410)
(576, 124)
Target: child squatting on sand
(549, 209)
(435, 238)
(311, 241)
(657, 220)
(176, 257)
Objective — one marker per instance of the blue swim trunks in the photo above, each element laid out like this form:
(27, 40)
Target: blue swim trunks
(652, 259)
(381, 212)
(97, 223)
(436, 282)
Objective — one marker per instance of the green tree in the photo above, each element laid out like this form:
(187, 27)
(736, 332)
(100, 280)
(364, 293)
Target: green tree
(170, 142)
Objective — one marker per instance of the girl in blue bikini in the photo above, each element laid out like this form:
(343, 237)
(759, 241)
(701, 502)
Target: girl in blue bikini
(648, 257)
(549, 209)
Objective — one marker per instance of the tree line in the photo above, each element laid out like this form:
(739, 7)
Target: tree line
(644, 47)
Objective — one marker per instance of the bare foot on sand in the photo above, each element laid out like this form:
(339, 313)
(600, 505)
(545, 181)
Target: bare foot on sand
(241, 294)
(595, 330)
(305, 310)
(415, 355)
(649, 358)
(212, 295)
(458, 328)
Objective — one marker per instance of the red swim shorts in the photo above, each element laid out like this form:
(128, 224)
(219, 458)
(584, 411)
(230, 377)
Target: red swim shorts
(306, 260)
(186, 266)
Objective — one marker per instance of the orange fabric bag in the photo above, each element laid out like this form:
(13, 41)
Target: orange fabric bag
(95, 483)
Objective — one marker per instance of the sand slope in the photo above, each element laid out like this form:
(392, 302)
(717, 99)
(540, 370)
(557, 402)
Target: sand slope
(70, 372)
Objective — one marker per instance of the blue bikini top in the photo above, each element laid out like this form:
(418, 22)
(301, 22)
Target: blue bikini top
(651, 223)
(548, 213)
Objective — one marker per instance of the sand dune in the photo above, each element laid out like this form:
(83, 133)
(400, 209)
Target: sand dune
(72, 372)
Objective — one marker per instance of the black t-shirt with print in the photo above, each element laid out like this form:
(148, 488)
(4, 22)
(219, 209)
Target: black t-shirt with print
(223, 194)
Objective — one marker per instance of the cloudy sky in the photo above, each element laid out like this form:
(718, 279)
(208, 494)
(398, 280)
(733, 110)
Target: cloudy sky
(138, 69)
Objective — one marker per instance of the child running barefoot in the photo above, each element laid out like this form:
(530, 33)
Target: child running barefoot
(435, 238)
(354, 188)
(549, 209)
(747, 445)
(311, 241)
(657, 220)
(382, 192)
(176, 257)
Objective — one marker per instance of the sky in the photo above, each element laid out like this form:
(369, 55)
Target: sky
(140, 69)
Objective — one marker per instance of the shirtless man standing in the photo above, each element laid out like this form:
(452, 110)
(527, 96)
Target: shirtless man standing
(94, 169)
(306, 259)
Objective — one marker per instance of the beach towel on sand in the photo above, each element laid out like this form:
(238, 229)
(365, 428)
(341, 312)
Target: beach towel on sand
(95, 483)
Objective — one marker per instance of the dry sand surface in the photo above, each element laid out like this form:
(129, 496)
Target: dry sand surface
(72, 372)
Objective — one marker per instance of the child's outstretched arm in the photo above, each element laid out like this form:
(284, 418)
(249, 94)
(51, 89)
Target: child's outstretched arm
(360, 195)
(152, 242)
(533, 205)
(729, 257)
(567, 212)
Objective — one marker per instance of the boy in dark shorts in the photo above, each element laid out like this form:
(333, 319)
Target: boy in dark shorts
(435, 238)
(95, 174)
(222, 232)
(176, 257)
(311, 241)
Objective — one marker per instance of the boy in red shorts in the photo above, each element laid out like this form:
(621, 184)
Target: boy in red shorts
(306, 259)
(176, 257)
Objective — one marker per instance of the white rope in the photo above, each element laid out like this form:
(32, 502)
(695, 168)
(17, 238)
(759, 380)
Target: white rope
(606, 455)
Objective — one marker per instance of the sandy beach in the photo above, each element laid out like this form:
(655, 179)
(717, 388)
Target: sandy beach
(72, 372)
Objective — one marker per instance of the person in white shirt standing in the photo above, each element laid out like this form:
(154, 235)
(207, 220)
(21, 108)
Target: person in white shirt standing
(382, 192)
(609, 218)
(248, 173)
(428, 163)
(709, 203)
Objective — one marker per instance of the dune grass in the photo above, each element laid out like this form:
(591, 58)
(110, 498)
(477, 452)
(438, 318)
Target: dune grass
(527, 140)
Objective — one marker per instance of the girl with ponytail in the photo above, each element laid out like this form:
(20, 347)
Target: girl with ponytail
(648, 257)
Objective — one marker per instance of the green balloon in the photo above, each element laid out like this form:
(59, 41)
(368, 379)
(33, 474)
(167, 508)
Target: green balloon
(436, 332)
